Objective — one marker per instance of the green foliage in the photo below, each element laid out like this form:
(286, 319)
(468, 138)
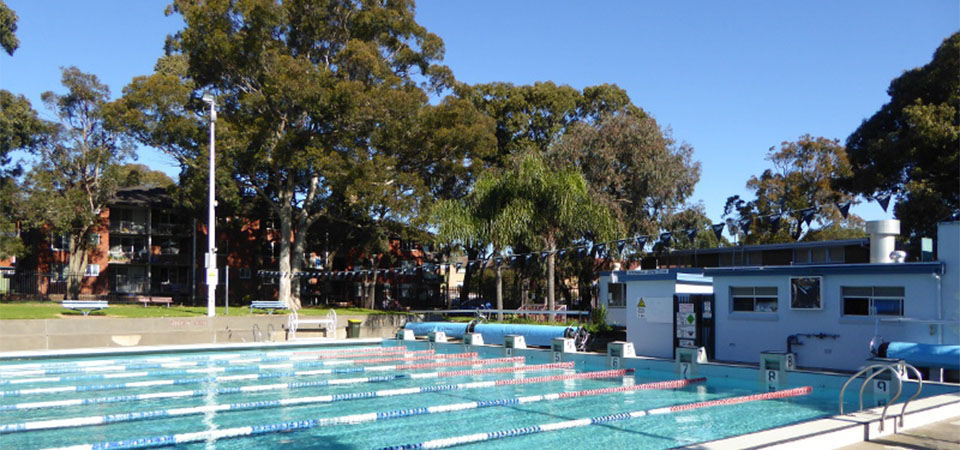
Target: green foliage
(8, 28)
(20, 129)
(909, 148)
(77, 172)
(598, 320)
(131, 175)
(801, 177)
(533, 117)
(323, 112)
(633, 167)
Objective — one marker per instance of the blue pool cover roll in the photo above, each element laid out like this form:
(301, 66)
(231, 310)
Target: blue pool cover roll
(451, 329)
(539, 335)
(925, 355)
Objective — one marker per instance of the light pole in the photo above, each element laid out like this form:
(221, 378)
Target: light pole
(211, 258)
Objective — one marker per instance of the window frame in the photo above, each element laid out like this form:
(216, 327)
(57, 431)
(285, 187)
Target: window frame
(871, 299)
(754, 296)
(622, 288)
(819, 286)
(87, 272)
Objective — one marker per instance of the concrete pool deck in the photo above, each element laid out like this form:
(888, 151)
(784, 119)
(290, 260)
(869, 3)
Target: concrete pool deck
(943, 435)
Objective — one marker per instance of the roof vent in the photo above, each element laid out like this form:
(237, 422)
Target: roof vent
(883, 236)
(898, 256)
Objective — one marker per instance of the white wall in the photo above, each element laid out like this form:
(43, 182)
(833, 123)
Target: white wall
(742, 336)
(948, 252)
(653, 334)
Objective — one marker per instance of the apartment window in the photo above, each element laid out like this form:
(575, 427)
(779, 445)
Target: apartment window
(60, 242)
(754, 299)
(805, 293)
(872, 301)
(93, 239)
(92, 270)
(616, 295)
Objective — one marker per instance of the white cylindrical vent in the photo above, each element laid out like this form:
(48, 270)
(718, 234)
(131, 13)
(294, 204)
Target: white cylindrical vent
(883, 237)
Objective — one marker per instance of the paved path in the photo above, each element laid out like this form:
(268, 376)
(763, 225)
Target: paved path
(943, 435)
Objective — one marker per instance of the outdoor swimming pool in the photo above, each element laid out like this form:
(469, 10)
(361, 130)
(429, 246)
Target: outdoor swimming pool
(371, 397)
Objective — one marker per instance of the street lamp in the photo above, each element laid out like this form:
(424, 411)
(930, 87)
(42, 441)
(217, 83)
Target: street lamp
(211, 259)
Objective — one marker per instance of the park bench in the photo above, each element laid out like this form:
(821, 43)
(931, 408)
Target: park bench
(269, 306)
(156, 300)
(85, 306)
(326, 323)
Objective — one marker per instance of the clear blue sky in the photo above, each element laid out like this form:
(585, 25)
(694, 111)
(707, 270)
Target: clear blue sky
(732, 79)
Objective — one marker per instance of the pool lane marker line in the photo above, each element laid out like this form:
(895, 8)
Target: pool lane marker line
(181, 394)
(353, 419)
(557, 426)
(66, 367)
(202, 363)
(173, 439)
(230, 378)
(163, 413)
(408, 356)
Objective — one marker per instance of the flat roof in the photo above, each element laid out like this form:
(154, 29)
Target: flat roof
(935, 267)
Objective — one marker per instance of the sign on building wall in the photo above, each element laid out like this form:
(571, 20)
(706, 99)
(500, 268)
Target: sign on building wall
(655, 309)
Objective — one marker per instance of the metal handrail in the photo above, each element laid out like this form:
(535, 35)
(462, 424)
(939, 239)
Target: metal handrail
(897, 370)
(915, 394)
(890, 367)
(854, 377)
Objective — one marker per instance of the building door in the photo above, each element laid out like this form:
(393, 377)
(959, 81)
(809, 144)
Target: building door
(694, 320)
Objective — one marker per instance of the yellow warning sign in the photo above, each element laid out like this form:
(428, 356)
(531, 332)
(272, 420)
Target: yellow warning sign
(641, 304)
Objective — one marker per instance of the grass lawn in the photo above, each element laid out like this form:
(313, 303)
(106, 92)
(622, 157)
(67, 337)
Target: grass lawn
(53, 310)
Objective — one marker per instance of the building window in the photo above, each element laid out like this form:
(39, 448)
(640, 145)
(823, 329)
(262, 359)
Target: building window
(754, 299)
(818, 255)
(872, 301)
(60, 242)
(92, 270)
(94, 239)
(244, 273)
(617, 295)
(805, 293)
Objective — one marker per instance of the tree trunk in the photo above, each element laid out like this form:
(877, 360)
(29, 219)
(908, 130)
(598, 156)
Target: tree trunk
(499, 292)
(468, 274)
(76, 265)
(551, 273)
(286, 275)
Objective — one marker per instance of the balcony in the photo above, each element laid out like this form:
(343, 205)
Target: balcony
(168, 229)
(127, 227)
(127, 255)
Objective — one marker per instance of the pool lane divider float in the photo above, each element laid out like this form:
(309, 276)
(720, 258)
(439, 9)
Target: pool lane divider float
(258, 388)
(557, 426)
(353, 419)
(15, 369)
(407, 356)
(175, 439)
(231, 378)
(163, 413)
(200, 363)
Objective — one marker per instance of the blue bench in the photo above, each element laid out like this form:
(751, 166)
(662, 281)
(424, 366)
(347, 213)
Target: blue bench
(269, 306)
(85, 306)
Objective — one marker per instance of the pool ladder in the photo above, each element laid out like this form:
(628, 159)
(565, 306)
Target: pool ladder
(898, 370)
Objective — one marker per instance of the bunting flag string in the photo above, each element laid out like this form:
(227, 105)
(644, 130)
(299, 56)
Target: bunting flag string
(600, 250)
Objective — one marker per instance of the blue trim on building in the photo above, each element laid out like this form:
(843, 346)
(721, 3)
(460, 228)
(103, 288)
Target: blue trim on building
(934, 267)
(683, 275)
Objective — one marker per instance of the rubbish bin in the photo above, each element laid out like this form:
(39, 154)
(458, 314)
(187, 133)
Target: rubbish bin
(353, 328)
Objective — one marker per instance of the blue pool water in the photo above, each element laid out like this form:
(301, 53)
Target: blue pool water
(653, 432)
